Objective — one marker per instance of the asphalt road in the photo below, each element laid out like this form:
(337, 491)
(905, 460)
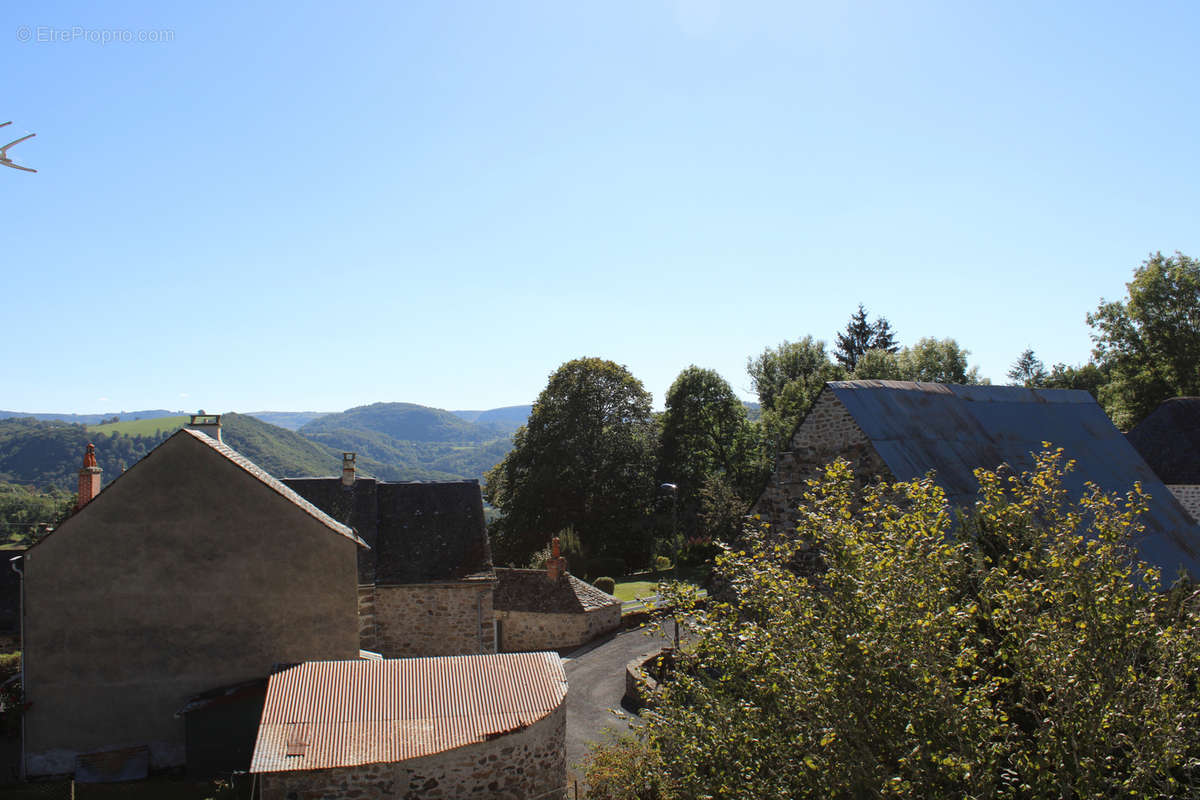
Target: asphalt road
(596, 683)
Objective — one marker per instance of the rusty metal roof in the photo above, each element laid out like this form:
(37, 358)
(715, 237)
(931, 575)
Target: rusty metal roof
(326, 714)
(952, 430)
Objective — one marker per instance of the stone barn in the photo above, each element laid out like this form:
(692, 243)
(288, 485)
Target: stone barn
(447, 727)
(900, 430)
(192, 570)
(425, 584)
(1169, 440)
(550, 609)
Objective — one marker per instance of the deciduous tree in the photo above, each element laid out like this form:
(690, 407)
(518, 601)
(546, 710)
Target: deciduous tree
(1149, 343)
(1028, 655)
(585, 460)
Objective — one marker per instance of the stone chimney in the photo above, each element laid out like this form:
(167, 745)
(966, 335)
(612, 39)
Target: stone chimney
(89, 478)
(556, 565)
(347, 469)
(208, 424)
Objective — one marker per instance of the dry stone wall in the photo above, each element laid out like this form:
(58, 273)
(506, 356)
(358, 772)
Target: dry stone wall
(827, 433)
(428, 619)
(530, 764)
(526, 630)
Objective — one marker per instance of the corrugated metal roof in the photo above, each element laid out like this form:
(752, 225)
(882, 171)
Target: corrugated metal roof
(918, 427)
(274, 484)
(346, 713)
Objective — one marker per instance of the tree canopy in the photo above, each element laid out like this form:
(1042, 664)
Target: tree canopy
(1028, 370)
(584, 460)
(1149, 343)
(1030, 654)
(861, 336)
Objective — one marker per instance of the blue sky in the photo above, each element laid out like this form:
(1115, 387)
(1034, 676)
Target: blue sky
(303, 206)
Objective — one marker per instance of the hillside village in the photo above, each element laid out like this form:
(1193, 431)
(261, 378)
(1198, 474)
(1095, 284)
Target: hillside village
(346, 637)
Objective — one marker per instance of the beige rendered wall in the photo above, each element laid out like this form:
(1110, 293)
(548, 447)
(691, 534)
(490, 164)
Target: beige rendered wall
(185, 574)
(525, 631)
(827, 433)
(530, 763)
(433, 619)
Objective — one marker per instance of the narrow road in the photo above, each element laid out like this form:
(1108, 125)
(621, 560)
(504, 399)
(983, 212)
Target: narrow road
(596, 681)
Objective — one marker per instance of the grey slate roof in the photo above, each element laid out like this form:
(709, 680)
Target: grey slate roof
(419, 532)
(532, 590)
(917, 427)
(1169, 440)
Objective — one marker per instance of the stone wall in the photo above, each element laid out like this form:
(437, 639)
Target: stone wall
(432, 619)
(1188, 496)
(529, 764)
(526, 630)
(827, 433)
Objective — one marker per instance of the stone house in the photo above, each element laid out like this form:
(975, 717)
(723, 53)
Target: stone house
(425, 584)
(1169, 441)
(445, 727)
(194, 569)
(900, 430)
(550, 609)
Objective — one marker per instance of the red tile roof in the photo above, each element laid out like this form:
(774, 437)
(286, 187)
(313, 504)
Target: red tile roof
(326, 714)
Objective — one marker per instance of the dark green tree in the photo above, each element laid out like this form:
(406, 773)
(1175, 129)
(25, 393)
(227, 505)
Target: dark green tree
(861, 336)
(705, 433)
(1089, 377)
(1149, 343)
(1028, 370)
(585, 460)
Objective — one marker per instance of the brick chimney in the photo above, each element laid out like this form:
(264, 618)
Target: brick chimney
(89, 478)
(556, 565)
(348, 469)
(208, 424)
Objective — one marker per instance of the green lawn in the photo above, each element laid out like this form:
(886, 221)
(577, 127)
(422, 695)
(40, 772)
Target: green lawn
(630, 589)
(141, 427)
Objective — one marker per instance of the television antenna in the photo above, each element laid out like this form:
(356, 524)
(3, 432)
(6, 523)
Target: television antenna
(8, 162)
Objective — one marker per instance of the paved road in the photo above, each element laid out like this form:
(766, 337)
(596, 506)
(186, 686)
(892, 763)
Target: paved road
(596, 681)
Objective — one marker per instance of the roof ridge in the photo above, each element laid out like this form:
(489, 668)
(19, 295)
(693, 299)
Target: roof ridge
(275, 485)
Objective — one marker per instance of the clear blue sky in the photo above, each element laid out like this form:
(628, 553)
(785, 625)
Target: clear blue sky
(304, 206)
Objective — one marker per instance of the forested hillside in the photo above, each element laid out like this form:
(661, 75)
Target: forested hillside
(405, 422)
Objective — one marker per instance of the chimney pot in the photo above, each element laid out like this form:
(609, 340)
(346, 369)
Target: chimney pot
(89, 478)
(348, 469)
(208, 424)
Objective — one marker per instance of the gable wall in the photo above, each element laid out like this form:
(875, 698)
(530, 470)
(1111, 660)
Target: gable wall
(439, 619)
(827, 433)
(185, 574)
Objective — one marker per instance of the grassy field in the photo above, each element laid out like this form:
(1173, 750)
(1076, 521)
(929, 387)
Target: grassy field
(631, 589)
(140, 427)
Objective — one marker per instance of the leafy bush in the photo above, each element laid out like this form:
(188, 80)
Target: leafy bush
(1030, 654)
(661, 563)
(605, 584)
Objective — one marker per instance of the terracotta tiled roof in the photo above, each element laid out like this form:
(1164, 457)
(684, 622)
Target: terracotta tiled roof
(274, 484)
(329, 714)
(532, 590)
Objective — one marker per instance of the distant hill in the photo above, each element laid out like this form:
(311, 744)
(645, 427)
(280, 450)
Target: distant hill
(508, 418)
(292, 420)
(406, 422)
(91, 419)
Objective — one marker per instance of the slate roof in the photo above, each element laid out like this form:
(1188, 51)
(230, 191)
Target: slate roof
(532, 590)
(1169, 440)
(917, 427)
(329, 714)
(419, 532)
